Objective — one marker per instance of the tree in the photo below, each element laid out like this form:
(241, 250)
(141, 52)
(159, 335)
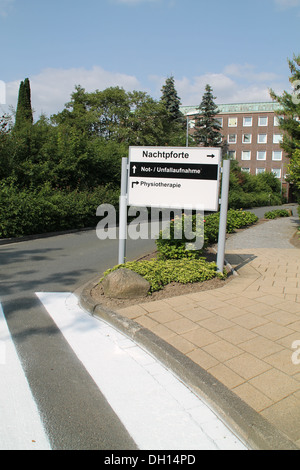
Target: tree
(23, 124)
(95, 130)
(146, 122)
(24, 113)
(6, 146)
(171, 99)
(289, 117)
(114, 115)
(174, 124)
(207, 127)
(294, 170)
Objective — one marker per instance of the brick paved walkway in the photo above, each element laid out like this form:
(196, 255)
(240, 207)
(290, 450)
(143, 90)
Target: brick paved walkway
(243, 333)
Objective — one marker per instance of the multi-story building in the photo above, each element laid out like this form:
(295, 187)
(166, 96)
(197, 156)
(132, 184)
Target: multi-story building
(253, 136)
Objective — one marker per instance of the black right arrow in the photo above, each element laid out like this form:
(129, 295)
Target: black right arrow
(211, 156)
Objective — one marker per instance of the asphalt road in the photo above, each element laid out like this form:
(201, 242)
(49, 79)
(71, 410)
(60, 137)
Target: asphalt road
(67, 397)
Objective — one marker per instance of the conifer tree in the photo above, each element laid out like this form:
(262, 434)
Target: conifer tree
(207, 127)
(24, 114)
(174, 121)
(171, 99)
(23, 127)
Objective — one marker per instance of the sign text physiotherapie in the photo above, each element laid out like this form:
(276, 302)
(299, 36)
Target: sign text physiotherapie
(174, 177)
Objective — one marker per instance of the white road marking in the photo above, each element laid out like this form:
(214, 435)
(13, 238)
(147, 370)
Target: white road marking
(158, 411)
(20, 424)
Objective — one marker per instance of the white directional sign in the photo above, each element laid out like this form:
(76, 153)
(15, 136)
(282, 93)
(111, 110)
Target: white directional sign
(176, 177)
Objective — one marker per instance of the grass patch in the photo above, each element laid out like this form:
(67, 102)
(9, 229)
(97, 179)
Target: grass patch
(160, 273)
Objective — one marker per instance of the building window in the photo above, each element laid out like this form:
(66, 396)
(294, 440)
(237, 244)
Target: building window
(246, 170)
(246, 155)
(232, 122)
(247, 138)
(232, 154)
(263, 121)
(277, 156)
(276, 121)
(262, 138)
(277, 138)
(232, 139)
(261, 155)
(259, 171)
(220, 121)
(192, 123)
(247, 121)
(276, 172)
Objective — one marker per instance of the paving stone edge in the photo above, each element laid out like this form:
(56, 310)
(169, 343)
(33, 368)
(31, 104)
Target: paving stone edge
(250, 426)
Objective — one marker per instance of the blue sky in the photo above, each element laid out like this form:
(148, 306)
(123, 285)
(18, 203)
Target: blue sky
(240, 48)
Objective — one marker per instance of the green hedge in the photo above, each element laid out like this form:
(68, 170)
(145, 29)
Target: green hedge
(277, 213)
(173, 248)
(248, 191)
(28, 212)
(238, 199)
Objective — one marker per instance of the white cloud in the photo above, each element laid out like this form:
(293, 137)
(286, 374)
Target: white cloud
(236, 84)
(52, 88)
(191, 91)
(5, 6)
(248, 72)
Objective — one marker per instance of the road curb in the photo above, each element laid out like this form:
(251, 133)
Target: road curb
(250, 426)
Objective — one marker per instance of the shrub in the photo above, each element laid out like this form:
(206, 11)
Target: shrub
(238, 199)
(239, 219)
(277, 213)
(28, 212)
(236, 219)
(249, 191)
(160, 273)
(172, 248)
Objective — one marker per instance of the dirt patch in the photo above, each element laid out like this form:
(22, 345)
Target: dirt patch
(171, 290)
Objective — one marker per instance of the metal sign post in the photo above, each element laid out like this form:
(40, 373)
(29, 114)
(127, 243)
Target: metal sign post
(223, 216)
(123, 212)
